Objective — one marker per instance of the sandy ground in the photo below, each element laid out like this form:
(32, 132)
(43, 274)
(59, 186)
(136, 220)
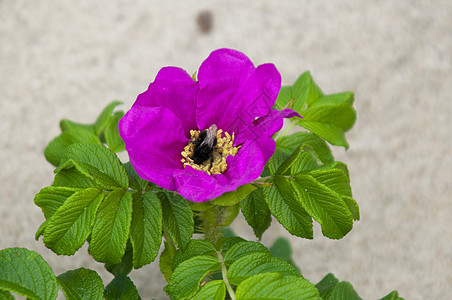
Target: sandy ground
(69, 60)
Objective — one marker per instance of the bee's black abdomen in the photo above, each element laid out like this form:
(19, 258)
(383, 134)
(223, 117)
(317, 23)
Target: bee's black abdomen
(202, 151)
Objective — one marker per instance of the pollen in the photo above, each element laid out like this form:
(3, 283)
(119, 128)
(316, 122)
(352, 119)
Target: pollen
(223, 148)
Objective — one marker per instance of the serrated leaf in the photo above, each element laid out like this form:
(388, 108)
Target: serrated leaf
(287, 209)
(187, 277)
(81, 284)
(212, 290)
(276, 286)
(146, 228)
(324, 205)
(241, 249)
(234, 197)
(343, 291)
(136, 182)
(194, 248)
(257, 263)
(289, 143)
(326, 285)
(49, 199)
(71, 224)
(228, 242)
(26, 273)
(71, 177)
(114, 140)
(104, 117)
(394, 295)
(177, 218)
(331, 133)
(301, 160)
(256, 212)
(111, 228)
(100, 158)
(54, 152)
(166, 260)
(121, 288)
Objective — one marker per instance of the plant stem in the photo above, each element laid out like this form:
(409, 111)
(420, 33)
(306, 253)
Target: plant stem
(224, 270)
(211, 219)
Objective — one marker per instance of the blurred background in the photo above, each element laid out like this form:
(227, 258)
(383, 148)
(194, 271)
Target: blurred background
(68, 60)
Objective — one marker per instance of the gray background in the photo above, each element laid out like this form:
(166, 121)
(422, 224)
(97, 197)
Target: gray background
(67, 59)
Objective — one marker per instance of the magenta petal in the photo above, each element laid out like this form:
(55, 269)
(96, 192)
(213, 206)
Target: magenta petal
(154, 139)
(174, 89)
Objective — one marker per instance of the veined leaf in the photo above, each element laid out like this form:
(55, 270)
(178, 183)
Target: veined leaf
(326, 285)
(71, 224)
(71, 177)
(114, 140)
(121, 288)
(100, 158)
(125, 266)
(344, 291)
(146, 230)
(111, 228)
(67, 125)
(276, 286)
(256, 212)
(104, 117)
(187, 277)
(166, 260)
(230, 241)
(394, 295)
(287, 209)
(54, 152)
(26, 273)
(234, 197)
(50, 198)
(281, 249)
(136, 182)
(81, 284)
(177, 218)
(241, 249)
(212, 290)
(257, 263)
(194, 248)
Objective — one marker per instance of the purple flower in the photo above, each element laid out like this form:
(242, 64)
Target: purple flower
(163, 131)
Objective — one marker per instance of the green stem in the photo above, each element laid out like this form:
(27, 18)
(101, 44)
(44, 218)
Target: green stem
(211, 219)
(224, 270)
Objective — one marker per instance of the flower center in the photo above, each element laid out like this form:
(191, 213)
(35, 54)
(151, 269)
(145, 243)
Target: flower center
(207, 150)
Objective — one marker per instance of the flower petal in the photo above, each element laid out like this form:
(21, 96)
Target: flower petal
(154, 139)
(174, 89)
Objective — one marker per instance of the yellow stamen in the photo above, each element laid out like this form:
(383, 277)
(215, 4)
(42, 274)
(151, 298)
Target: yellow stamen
(220, 152)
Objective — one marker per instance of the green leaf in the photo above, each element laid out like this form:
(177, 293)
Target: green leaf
(394, 295)
(104, 117)
(289, 143)
(111, 228)
(49, 199)
(26, 273)
(212, 290)
(71, 224)
(287, 209)
(343, 291)
(177, 218)
(257, 263)
(81, 284)
(146, 229)
(136, 182)
(71, 177)
(304, 92)
(256, 212)
(114, 140)
(194, 248)
(323, 204)
(121, 288)
(67, 125)
(102, 159)
(281, 249)
(241, 249)
(54, 152)
(125, 266)
(166, 260)
(330, 117)
(301, 160)
(41, 229)
(234, 197)
(187, 277)
(276, 286)
(326, 285)
(230, 241)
